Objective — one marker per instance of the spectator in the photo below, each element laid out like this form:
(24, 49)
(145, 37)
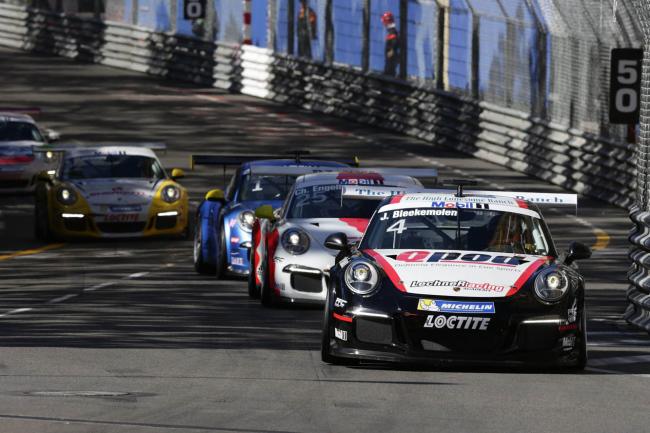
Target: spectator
(391, 51)
(306, 29)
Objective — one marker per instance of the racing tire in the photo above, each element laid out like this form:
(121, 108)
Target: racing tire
(41, 226)
(221, 262)
(583, 355)
(253, 290)
(325, 354)
(199, 264)
(267, 297)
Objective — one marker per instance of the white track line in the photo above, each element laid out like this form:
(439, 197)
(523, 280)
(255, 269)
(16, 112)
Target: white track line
(16, 311)
(62, 298)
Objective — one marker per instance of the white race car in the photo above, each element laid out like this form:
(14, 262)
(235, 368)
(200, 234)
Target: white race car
(19, 164)
(288, 257)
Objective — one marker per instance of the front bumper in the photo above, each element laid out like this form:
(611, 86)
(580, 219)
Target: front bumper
(170, 222)
(302, 278)
(20, 177)
(514, 334)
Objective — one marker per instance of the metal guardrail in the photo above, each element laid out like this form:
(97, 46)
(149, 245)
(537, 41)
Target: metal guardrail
(569, 158)
(638, 294)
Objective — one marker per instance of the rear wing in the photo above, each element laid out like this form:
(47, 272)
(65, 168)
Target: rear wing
(237, 160)
(292, 170)
(65, 147)
(541, 199)
(386, 171)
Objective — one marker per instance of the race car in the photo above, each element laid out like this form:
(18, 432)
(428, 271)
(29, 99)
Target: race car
(441, 277)
(289, 260)
(19, 164)
(110, 192)
(222, 235)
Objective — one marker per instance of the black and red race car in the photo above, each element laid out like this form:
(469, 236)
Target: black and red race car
(450, 277)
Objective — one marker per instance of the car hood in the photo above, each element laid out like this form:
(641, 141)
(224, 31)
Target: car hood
(320, 228)
(254, 204)
(117, 191)
(473, 274)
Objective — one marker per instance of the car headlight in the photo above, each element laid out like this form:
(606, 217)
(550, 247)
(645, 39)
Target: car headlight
(551, 285)
(47, 156)
(295, 241)
(361, 277)
(246, 220)
(171, 193)
(66, 196)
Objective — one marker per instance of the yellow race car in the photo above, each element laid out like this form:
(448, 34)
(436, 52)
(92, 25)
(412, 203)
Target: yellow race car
(110, 192)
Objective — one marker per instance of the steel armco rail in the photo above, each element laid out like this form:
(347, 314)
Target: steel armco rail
(577, 161)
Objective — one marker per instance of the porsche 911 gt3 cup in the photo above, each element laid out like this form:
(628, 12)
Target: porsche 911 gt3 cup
(222, 237)
(110, 192)
(440, 277)
(289, 260)
(19, 164)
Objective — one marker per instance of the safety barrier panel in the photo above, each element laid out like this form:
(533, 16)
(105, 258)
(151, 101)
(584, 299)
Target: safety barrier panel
(638, 311)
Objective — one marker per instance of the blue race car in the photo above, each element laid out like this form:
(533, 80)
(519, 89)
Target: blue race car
(222, 235)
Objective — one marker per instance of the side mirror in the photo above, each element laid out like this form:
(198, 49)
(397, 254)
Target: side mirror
(44, 176)
(265, 212)
(213, 194)
(337, 241)
(51, 135)
(577, 251)
(177, 173)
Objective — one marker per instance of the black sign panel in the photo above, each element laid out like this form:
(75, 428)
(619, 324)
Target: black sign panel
(193, 9)
(625, 85)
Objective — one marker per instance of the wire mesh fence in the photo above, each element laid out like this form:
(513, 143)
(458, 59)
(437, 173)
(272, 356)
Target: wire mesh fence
(549, 58)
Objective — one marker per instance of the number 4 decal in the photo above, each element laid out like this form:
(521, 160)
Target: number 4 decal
(398, 227)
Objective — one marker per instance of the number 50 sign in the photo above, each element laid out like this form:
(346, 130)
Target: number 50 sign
(194, 9)
(625, 85)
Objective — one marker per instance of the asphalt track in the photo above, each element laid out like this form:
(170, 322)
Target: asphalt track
(125, 337)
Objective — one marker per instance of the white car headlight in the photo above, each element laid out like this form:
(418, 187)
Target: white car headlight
(170, 193)
(246, 220)
(551, 285)
(295, 241)
(361, 277)
(66, 196)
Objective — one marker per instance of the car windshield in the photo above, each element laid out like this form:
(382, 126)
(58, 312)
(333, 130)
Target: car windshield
(111, 165)
(19, 131)
(324, 201)
(265, 187)
(457, 229)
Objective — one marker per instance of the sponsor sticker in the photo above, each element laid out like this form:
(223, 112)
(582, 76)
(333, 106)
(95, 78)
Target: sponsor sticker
(457, 322)
(572, 313)
(456, 306)
(340, 302)
(237, 261)
(569, 342)
(424, 212)
(126, 208)
(460, 285)
(419, 256)
(121, 217)
(341, 334)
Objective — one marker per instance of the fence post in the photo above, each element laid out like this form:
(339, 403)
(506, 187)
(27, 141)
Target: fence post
(403, 40)
(273, 19)
(441, 64)
(476, 56)
(365, 49)
(329, 33)
(134, 12)
(291, 14)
